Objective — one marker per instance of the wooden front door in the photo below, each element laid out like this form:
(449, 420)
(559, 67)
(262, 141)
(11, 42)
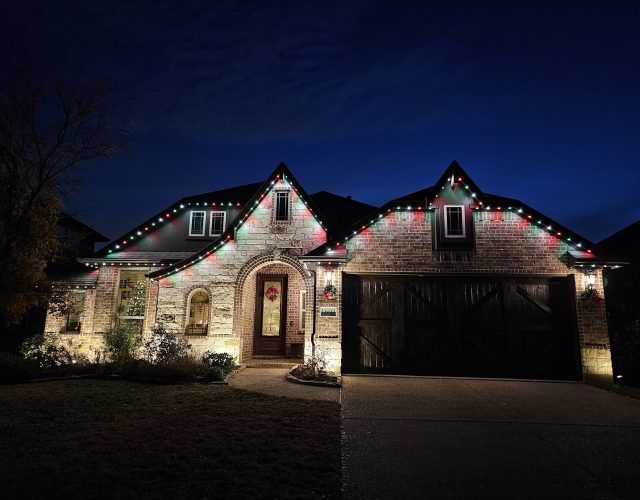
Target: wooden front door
(270, 325)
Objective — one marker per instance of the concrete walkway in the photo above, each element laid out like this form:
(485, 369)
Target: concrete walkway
(272, 381)
(457, 438)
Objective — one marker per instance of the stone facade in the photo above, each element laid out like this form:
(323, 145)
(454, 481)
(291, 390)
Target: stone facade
(400, 242)
(505, 244)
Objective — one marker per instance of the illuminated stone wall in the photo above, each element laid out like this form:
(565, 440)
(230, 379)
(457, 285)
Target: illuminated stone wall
(504, 244)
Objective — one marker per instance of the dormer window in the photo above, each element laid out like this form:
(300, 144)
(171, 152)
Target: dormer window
(454, 224)
(196, 223)
(217, 222)
(281, 212)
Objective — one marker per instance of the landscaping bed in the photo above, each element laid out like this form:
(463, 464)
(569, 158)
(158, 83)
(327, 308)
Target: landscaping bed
(114, 438)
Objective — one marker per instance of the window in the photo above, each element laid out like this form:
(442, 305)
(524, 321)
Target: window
(132, 298)
(217, 223)
(76, 310)
(198, 320)
(303, 309)
(454, 221)
(282, 206)
(196, 223)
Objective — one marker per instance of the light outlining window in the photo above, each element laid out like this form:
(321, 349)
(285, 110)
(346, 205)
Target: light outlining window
(217, 222)
(198, 313)
(196, 223)
(281, 210)
(454, 223)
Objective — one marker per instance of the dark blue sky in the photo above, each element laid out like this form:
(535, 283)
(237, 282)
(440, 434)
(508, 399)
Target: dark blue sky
(537, 101)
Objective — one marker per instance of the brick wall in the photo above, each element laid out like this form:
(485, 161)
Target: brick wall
(229, 275)
(505, 244)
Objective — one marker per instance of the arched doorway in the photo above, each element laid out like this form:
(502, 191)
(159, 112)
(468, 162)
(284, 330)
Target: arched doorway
(273, 316)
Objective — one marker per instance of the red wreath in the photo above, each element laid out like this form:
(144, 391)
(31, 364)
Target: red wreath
(271, 293)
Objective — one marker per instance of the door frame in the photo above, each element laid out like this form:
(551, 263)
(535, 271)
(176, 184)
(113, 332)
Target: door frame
(258, 338)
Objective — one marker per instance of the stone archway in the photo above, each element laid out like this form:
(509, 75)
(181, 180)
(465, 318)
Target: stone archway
(299, 280)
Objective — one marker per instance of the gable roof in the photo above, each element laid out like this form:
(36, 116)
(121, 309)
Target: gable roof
(68, 221)
(235, 196)
(423, 199)
(280, 172)
(623, 243)
(341, 212)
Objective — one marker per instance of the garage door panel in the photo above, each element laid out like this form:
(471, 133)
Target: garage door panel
(460, 326)
(375, 340)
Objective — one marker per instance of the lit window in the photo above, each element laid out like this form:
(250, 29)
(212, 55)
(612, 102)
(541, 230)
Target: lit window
(196, 224)
(282, 206)
(217, 223)
(454, 221)
(132, 297)
(76, 310)
(303, 309)
(198, 320)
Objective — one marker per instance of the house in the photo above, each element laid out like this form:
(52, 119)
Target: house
(76, 240)
(448, 280)
(623, 302)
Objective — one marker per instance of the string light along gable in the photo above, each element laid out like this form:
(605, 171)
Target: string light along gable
(530, 215)
(280, 176)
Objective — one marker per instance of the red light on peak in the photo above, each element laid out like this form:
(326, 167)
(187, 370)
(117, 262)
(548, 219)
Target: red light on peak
(146, 228)
(499, 208)
(459, 179)
(338, 244)
(167, 215)
(589, 251)
(237, 204)
(528, 216)
(559, 234)
(363, 227)
(124, 242)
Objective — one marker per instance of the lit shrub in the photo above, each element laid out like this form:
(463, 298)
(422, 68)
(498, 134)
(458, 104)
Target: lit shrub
(164, 346)
(45, 351)
(220, 360)
(122, 343)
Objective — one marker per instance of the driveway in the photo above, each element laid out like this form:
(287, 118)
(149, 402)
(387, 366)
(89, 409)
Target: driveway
(434, 438)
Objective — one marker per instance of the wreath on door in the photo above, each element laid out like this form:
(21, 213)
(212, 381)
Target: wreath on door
(271, 293)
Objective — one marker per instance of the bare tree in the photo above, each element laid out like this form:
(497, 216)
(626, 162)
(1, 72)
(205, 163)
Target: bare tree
(46, 134)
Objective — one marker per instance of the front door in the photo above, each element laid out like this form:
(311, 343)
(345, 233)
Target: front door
(271, 315)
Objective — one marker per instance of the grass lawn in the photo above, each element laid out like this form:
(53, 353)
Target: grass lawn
(102, 438)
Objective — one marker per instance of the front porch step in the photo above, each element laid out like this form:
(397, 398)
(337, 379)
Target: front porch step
(268, 362)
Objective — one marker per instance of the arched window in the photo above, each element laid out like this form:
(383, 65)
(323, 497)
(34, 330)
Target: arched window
(198, 309)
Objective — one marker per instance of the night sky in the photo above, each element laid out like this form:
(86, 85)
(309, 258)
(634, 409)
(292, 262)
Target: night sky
(536, 101)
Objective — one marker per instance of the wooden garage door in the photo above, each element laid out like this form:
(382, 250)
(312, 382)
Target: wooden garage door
(460, 326)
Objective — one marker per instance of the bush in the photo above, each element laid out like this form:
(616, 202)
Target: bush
(164, 346)
(220, 360)
(45, 351)
(15, 368)
(122, 343)
(185, 369)
(213, 374)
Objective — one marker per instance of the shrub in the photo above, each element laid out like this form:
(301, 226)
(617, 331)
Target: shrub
(186, 369)
(213, 374)
(122, 343)
(45, 351)
(220, 360)
(15, 368)
(164, 346)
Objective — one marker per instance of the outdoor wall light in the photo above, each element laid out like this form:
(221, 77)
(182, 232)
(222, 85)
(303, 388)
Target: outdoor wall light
(591, 279)
(329, 276)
